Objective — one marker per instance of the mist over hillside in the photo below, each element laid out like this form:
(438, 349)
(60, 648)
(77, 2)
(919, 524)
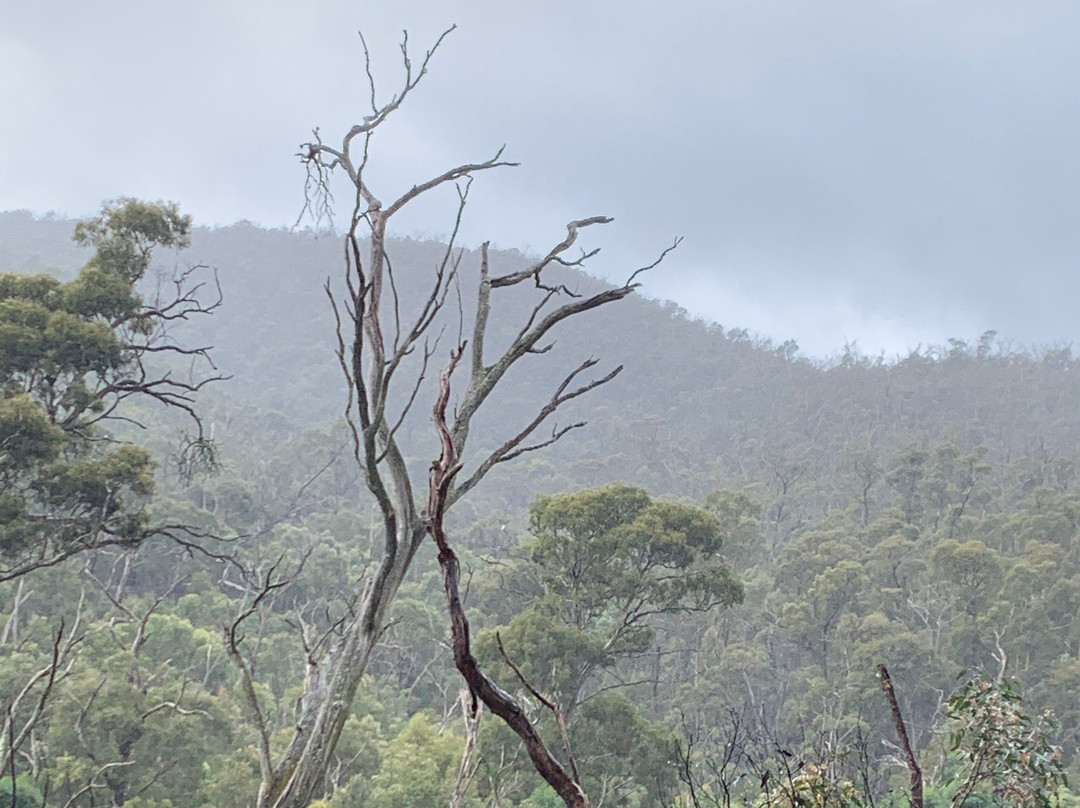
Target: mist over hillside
(920, 511)
(697, 406)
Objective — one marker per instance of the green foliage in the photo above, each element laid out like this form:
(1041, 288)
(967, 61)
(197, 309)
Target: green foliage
(230, 779)
(543, 796)
(27, 435)
(1005, 753)
(921, 512)
(972, 567)
(550, 652)
(610, 561)
(626, 752)
(816, 785)
(610, 564)
(126, 232)
(418, 770)
(20, 793)
(614, 545)
(70, 355)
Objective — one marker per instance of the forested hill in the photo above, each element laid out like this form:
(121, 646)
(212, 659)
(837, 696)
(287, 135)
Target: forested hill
(697, 407)
(920, 512)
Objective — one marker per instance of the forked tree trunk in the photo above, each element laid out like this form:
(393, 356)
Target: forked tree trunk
(481, 687)
(372, 353)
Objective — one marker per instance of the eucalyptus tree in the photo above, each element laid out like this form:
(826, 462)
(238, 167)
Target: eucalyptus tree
(608, 565)
(72, 356)
(385, 346)
(78, 359)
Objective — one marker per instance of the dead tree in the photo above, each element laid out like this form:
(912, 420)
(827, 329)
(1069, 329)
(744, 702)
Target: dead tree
(382, 351)
(910, 759)
(482, 689)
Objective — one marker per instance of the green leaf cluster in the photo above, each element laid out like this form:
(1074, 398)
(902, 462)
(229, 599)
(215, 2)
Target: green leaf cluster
(67, 362)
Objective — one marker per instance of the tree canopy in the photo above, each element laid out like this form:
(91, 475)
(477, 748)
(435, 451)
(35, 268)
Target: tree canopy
(77, 359)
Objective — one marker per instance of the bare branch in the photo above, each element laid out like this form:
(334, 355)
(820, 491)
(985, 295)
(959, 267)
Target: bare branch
(60, 538)
(484, 378)
(654, 264)
(560, 716)
(571, 237)
(513, 448)
(94, 782)
(321, 159)
(452, 175)
(480, 685)
(175, 706)
(471, 713)
(60, 664)
(381, 113)
(247, 683)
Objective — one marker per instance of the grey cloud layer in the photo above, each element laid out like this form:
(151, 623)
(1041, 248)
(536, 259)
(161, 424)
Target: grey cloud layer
(889, 173)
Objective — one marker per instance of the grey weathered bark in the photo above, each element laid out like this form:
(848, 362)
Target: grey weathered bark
(472, 713)
(372, 349)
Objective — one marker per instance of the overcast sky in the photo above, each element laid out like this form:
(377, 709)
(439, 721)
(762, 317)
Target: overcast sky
(891, 173)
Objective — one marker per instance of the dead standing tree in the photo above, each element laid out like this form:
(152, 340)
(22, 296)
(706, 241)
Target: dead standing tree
(381, 352)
